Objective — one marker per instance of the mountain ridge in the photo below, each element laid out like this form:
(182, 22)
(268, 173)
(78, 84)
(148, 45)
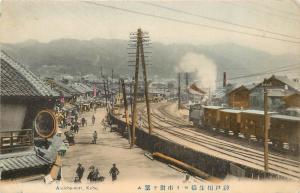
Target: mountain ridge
(73, 56)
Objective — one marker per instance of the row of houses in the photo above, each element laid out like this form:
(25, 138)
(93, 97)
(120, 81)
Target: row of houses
(23, 96)
(283, 95)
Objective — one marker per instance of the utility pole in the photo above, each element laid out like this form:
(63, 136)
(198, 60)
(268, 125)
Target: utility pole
(187, 85)
(146, 85)
(126, 108)
(179, 95)
(111, 87)
(136, 82)
(266, 126)
(137, 39)
(131, 104)
(105, 92)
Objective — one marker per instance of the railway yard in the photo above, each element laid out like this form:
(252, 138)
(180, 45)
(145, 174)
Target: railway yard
(169, 125)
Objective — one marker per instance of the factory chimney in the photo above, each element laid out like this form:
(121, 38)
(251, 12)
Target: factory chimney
(224, 79)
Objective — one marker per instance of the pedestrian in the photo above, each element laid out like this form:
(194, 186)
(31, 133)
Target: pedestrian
(72, 128)
(96, 175)
(93, 119)
(76, 127)
(114, 172)
(76, 116)
(79, 171)
(140, 120)
(91, 174)
(82, 121)
(95, 136)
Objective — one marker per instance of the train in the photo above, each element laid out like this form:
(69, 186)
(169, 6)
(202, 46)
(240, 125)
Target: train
(284, 130)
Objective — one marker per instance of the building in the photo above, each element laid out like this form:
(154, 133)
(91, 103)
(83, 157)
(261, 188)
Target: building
(292, 100)
(239, 97)
(278, 88)
(23, 95)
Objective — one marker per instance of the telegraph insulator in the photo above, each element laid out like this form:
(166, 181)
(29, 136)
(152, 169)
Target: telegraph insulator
(45, 124)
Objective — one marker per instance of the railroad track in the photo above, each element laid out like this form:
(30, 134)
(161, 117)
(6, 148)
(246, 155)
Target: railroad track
(164, 122)
(175, 122)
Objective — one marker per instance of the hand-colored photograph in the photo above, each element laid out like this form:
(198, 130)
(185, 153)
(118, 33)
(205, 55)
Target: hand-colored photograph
(150, 96)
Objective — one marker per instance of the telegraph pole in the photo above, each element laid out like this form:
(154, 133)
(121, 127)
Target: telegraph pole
(179, 95)
(146, 85)
(136, 82)
(126, 108)
(187, 85)
(105, 92)
(266, 126)
(111, 87)
(137, 39)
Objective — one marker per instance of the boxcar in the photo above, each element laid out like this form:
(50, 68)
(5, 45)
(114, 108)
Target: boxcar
(252, 123)
(211, 116)
(230, 120)
(285, 129)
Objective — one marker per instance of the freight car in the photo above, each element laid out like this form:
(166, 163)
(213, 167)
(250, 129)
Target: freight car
(284, 129)
(230, 120)
(211, 116)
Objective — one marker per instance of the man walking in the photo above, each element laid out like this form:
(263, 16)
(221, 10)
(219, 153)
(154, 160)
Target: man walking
(95, 136)
(93, 119)
(79, 172)
(82, 121)
(114, 172)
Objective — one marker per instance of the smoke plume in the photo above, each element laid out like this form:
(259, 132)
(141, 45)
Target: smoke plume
(202, 67)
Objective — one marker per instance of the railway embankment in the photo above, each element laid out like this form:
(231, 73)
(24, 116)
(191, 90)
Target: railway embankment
(209, 164)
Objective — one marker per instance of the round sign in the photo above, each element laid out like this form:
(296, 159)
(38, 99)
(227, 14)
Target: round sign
(45, 124)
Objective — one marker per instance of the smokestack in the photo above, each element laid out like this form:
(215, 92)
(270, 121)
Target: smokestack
(224, 79)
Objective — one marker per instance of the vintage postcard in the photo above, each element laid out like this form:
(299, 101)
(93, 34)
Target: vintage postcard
(150, 96)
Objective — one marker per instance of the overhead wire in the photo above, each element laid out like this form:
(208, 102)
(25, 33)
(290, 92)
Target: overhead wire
(217, 20)
(266, 7)
(255, 9)
(191, 23)
(265, 72)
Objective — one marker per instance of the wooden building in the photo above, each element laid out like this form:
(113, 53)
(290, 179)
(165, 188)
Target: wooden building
(292, 100)
(278, 88)
(239, 97)
(23, 95)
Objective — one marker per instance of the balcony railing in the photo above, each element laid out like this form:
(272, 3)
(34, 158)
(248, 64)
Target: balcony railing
(10, 140)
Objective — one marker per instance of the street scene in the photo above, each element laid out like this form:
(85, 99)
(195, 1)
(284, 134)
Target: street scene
(142, 96)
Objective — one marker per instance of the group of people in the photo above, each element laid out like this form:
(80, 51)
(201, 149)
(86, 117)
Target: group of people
(94, 174)
(74, 127)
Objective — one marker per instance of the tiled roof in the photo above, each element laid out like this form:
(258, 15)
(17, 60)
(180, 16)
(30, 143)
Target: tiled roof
(82, 88)
(78, 88)
(66, 87)
(21, 160)
(16, 80)
(62, 88)
(287, 81)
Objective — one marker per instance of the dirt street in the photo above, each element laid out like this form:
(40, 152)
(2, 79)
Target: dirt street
(111, 148)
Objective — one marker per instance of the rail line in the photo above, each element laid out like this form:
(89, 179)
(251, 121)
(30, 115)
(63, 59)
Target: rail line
(254, 152)
(178, 127)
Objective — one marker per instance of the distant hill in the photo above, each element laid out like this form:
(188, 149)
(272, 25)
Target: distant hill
(75, 56)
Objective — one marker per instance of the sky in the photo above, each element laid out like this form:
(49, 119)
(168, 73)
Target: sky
(49, 20)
